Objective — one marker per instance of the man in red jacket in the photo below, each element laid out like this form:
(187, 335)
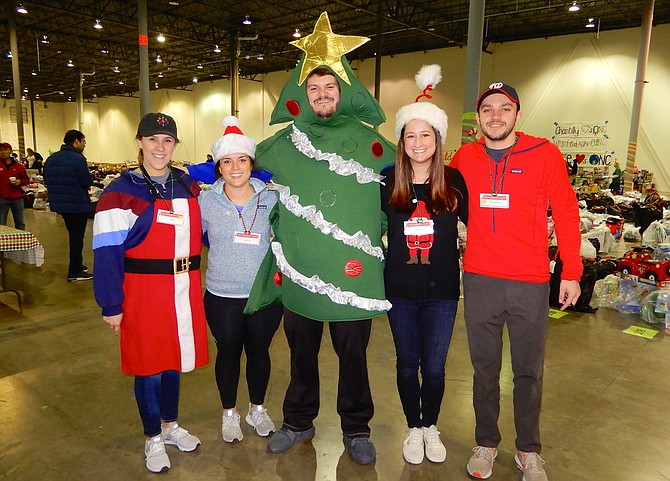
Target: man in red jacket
(12, 177)
(512, 179)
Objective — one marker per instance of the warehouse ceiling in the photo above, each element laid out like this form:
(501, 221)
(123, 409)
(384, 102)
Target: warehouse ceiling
(55, 33)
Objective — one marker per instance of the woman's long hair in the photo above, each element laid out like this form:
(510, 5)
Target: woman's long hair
(441, 197)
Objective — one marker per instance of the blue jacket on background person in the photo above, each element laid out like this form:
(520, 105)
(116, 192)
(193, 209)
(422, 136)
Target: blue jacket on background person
(68, 179)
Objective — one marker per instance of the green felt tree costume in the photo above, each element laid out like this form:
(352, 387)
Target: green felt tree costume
(326, 171)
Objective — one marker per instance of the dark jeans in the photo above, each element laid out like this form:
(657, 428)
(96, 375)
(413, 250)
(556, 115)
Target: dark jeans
(354, 400)
(16, 205)
(157, 400)
(421, 331)
(76, 229)
(234, 331)
(489, 304)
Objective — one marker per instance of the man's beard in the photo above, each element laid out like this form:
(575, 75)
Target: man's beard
(326, 114)
(501, 136)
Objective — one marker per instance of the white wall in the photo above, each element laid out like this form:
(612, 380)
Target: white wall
(577, 78)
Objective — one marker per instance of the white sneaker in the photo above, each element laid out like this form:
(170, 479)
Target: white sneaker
(531, 464)
(230, 426)
(435, 450)
(412, 448)
(157, 459)
(481, 463)
(258, 419)
(178, 436)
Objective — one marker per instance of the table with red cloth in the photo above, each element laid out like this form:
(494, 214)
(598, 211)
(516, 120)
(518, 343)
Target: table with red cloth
(21, 246)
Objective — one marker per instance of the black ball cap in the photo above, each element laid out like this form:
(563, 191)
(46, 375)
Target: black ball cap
(157, 123)
(500, 88)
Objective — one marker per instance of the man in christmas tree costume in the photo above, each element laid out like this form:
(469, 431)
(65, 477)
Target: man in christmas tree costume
(325, 167)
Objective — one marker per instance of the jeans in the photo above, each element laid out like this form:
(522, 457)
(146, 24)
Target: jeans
(233, 332)
(489, 304)
(76, 229)
(17, 212)
(354, 399)
(157, 400)
(422, 330)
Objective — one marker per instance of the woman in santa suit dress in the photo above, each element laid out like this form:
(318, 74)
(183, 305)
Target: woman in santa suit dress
(147, 242)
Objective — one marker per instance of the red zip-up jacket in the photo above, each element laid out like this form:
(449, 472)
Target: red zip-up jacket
(13, 169)
(512, 243)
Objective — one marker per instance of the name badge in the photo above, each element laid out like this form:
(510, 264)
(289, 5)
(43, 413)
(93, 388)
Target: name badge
(170, 218)
(249, 239)
(419, 227)
(490, 201)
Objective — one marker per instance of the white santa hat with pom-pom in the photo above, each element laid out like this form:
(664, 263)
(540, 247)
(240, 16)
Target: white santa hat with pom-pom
(427, 78)
(233, 140)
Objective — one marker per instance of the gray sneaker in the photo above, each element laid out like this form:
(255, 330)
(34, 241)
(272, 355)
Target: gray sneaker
(532, 466)
(284, 439)
(259, 420)
(481, 463)
(230, 426)
(361, 449)
(175, 435)
(157, 460)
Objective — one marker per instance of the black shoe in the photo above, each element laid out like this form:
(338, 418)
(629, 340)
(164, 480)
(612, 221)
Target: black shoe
(82, 276)
(284, 439)
(361, 449)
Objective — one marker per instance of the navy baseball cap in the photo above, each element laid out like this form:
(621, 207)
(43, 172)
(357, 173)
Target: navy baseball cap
(500, 88)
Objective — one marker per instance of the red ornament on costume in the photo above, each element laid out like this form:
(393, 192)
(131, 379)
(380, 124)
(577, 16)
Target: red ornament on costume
(277, 278)
(377, 149)
(293, 107)
(353, 268)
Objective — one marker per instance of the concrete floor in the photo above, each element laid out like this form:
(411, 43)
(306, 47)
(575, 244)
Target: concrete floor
(68, 414)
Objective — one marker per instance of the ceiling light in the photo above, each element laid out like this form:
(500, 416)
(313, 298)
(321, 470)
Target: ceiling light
(195, 80)
(246, 20)
(21, 9)
(33, 73)
(160, 75)
(158, 59)
(116, 70)
(200, 66)
(97, 25)
(260, 57)
(121, 82)
(173, 3)
(45, 39)
(160, 38)
(104, 50)
(297, 33)
(69, 63)
(217, 49)
(8, 55)
(590, 24)
(574, 7)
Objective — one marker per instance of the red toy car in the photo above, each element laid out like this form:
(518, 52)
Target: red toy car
(638, 262)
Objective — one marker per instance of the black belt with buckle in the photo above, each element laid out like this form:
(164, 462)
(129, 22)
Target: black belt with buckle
(162, 266)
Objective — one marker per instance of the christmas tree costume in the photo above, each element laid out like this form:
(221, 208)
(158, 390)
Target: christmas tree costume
(327, 174)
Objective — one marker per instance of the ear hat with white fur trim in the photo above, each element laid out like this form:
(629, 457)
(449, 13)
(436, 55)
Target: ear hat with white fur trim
(233, 140)
(427, 78)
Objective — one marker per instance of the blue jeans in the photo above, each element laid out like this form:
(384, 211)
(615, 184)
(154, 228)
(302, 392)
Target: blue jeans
(17, 212)
(157, 399)
(421, 331)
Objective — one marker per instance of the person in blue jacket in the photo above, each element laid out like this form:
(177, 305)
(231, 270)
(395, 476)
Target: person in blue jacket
(68, 179)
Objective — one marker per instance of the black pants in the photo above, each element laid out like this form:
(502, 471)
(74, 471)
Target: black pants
(234, 331)
(76, 229)
(354, 400)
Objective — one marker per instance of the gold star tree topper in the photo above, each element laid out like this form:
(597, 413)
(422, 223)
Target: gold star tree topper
(323, 47)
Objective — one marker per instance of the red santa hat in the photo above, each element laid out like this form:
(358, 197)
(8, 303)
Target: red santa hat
(233, 140)
(427, 78)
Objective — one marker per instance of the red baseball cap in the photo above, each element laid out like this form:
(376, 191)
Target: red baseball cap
(499, 88)
(6, 145)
